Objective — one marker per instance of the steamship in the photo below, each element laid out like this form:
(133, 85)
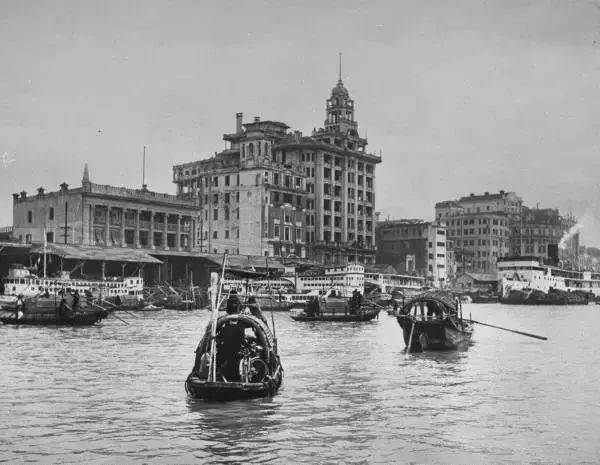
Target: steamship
(531, 280)
(20, 281)
(288, 291)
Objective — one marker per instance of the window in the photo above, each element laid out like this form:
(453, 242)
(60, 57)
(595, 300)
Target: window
(227, 180)
(49, 237)
(227, 197)
(30, 217)
(215, 214)
(215, 198)
(251, 149)
(51, 214)
(227, 234)
(216, 181)
(215, 234)
(226, 213)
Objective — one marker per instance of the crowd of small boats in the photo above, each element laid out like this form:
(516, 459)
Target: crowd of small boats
(237, 356)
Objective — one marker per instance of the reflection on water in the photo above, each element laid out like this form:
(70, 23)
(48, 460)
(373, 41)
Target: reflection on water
(115, 393)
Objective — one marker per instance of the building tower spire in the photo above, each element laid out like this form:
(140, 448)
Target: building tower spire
(86, 175)
(340, 68)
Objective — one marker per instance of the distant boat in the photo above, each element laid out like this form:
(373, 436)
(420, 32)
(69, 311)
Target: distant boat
(50, 311)
(336, 309)
(433, 321)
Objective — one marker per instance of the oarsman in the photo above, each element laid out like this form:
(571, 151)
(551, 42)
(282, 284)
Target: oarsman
(233, 303)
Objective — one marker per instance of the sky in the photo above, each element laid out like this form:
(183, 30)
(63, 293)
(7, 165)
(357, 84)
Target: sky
(459, 97)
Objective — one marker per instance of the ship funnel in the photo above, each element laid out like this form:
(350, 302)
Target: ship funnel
(553, 254)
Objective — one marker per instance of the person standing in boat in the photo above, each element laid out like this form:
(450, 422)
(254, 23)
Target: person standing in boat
(230, 341)
(19, 307)
(233, 303)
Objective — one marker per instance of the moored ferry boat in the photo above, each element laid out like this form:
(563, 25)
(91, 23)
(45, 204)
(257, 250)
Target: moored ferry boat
(291, 291)
(408, 285)
(529, 281)
(20, 281)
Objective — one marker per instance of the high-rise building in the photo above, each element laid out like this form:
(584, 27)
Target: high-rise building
(278, 193)
(479, 228)
(414, 247)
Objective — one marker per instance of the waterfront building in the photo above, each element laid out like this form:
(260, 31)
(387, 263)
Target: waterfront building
(479, 228)
(538, 228)
(414, 247)
(103, 215)
(278, 193)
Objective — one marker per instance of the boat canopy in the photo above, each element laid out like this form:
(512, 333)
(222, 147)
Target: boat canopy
(442, 299)
(262, 331)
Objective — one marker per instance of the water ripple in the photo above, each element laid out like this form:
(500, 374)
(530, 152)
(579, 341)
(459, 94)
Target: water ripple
(114, 393)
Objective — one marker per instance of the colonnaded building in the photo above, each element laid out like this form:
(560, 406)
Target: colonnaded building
(103, 215)
(279, 193)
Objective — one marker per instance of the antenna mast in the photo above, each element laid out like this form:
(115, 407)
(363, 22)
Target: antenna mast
(144, 169)
(340, 68)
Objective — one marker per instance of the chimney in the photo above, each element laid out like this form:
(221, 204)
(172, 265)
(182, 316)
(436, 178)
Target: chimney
(238, 122)
(64, 187)
(257, 119)
(23, 194)
(40, 191)
(502, 192)
(15, 196)
(553, 254)
(471, 194)
(486, 193)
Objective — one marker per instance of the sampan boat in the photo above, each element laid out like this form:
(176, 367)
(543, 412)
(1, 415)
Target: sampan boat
(246, 361)
(433, 321)
(336, 309)
(50, 311)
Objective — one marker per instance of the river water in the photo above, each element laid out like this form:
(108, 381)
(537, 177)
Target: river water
(115, 394)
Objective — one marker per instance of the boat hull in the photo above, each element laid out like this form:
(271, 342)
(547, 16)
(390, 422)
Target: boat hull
(537, 297)
(46, 319)
(436, 334)
(226, 391)
(362, 315)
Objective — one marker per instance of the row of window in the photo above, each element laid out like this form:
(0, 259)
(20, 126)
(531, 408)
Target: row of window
(468, 221)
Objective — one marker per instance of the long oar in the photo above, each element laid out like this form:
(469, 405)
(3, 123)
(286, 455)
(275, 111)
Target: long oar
(113, 314)
(118, 308)
(511, 330)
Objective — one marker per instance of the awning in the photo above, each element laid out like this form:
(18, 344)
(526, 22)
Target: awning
(108, 254)
(246, 262)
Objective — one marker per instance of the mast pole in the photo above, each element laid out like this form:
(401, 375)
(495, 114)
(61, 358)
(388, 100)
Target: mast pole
(215, 297)
(45, 244)
(144, 168)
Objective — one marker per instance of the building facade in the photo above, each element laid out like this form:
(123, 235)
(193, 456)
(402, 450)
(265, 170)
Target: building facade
(540, 227)
(102, 215)
(278, 193)
(414, 247)
(479, 228)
